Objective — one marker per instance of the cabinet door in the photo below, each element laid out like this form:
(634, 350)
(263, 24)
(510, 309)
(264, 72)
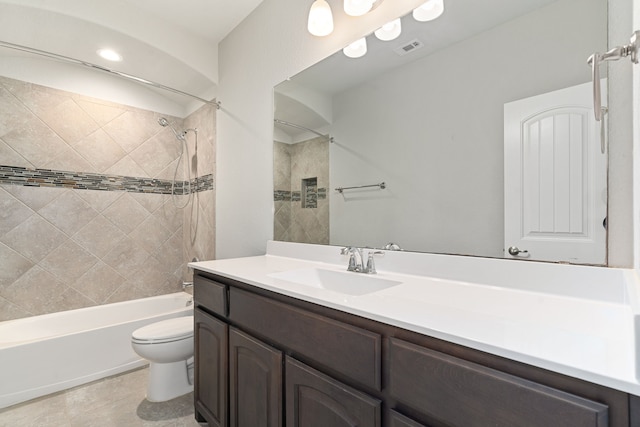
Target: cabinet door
(210, 388)
(399, 420)
(461, 393)
(316, 400)
(255, 382)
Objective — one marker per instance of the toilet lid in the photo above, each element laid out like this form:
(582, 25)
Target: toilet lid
(166, 330)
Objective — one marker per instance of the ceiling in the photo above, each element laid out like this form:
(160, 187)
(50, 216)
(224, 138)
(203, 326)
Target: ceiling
(168, 42)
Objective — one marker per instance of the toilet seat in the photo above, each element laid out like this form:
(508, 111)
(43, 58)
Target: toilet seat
(170, 330)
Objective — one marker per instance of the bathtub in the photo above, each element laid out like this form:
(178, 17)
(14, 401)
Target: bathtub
(44, 354)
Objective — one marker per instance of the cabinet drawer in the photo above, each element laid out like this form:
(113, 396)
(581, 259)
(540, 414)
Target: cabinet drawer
(461, 393)
(211, 295)
(346, 349)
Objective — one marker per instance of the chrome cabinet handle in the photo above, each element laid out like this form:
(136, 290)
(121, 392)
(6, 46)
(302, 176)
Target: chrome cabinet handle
(514, 251)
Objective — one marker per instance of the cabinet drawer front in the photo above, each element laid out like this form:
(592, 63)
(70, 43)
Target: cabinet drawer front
(461, 393)
(211, 295)
(316, 400)
(343, 348)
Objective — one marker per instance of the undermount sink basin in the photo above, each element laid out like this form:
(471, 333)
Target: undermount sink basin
(349, 283)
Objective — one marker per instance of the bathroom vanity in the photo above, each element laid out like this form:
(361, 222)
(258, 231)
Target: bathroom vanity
(275, 346)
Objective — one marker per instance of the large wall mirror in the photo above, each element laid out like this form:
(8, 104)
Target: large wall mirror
(478, 125)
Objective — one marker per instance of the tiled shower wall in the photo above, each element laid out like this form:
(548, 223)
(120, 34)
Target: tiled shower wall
(64, 247)
(295, 221)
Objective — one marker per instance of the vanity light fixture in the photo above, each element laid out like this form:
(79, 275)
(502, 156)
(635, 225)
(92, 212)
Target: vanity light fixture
(389, 31)
(320, 19)
(429, 11)
(356, 49)
(358, 7)
(109, 55)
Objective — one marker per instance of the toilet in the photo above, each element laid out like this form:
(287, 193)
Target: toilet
(168, 346)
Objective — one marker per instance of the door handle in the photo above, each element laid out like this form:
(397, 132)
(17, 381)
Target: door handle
(514, 251)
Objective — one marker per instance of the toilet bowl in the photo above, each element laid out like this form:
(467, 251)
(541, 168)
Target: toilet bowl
(168, 346)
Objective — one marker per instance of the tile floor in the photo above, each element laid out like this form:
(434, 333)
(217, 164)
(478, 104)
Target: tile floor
(117, 401)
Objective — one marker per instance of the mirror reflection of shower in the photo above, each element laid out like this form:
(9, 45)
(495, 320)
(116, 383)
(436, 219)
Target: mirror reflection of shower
(184, 152)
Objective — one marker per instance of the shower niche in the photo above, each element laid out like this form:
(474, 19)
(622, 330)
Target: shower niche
(309, 193)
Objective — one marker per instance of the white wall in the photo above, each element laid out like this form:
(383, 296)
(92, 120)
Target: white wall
(266, 48)
(441, 154)
(621, 217)
(636, 145)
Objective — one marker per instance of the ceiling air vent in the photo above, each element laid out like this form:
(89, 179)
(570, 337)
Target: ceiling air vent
(409, 47)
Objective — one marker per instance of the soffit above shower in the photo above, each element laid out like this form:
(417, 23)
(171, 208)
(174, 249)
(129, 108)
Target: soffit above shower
(168, 42)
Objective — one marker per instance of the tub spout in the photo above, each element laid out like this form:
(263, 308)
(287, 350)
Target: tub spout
(186, 285)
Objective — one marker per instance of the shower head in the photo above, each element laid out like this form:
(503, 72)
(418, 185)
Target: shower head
(164, 123)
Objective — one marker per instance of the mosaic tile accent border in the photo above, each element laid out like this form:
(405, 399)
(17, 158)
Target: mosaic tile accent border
(295, 196)
(27, 177)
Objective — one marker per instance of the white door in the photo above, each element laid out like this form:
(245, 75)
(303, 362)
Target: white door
(555, 178)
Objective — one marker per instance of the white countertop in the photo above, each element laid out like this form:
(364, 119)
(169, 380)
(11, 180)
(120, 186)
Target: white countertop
(579, 321)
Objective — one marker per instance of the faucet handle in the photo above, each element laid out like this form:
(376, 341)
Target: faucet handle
(392, 247)
(371, 267)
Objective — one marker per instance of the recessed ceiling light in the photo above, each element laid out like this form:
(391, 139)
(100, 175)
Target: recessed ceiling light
(110, 55)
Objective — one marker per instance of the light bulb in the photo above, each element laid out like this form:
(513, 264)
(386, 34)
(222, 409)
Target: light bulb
(429, 10)
(389, 31)
(357, 7)
(356, 49)
(109, 54)
(320, 19)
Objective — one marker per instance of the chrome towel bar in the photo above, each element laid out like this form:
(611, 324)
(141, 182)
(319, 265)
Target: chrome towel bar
(382, 186)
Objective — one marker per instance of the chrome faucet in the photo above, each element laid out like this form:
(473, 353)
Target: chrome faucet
(356, 260)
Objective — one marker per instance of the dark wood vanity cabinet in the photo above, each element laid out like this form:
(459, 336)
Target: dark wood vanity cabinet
(265, 359)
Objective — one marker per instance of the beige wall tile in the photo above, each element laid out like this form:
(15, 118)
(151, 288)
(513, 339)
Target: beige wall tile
(11, 157)
(126, 214)
(14, 265)
(101, 112)
(34, 141)
(34, 197)
(69, 121)
(12, 212)
(126, 257)
(68, 262)
(100, 150)
(34, 290)
(35, 238)
(61, 248)
(68, 212)
(99, 236)
(132, 128)
(99, 283)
